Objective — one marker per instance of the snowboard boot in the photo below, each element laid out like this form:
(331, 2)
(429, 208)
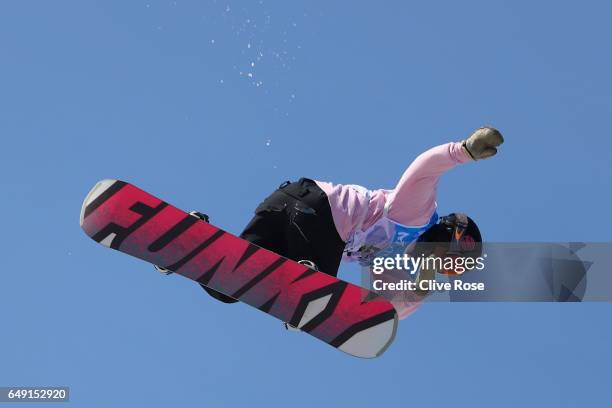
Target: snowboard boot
(218, 295)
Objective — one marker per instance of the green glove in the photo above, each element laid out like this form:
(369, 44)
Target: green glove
(483, 143)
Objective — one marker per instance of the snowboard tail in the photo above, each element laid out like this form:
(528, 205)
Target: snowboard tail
(121, 216)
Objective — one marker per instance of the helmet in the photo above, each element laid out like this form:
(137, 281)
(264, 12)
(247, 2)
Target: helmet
(458, 234)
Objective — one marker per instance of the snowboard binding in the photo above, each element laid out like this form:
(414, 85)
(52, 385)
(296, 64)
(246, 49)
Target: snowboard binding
(197, 214)
(309, 263)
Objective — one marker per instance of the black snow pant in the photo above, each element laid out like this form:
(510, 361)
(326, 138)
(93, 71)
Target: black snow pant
(295, 221)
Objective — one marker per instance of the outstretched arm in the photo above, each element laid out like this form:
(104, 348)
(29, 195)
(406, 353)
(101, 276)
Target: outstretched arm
(414, 198)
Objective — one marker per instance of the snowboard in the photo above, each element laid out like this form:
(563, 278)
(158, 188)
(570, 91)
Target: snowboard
(121, 216)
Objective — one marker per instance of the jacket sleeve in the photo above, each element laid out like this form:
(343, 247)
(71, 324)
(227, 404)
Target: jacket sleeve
(414, 198)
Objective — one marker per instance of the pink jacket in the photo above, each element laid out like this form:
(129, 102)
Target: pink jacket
(411, 202)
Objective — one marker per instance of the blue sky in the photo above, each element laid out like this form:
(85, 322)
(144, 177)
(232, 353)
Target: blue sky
(211, 105)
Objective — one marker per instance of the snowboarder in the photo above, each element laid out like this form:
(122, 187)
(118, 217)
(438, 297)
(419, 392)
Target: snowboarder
(324, 223)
